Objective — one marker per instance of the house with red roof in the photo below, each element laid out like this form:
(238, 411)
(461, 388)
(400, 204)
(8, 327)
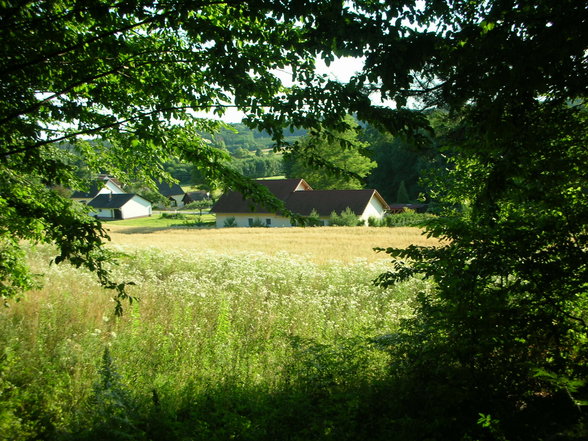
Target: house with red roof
(299, 198)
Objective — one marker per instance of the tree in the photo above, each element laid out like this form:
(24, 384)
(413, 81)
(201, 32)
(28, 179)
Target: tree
(498, 349)
(134, 74)
(402, 194)
(341, 153)
(398, 161)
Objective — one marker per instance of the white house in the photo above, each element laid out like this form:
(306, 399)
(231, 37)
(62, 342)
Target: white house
(102, 185)
(119, 206)
(109, 201)
(299, 198)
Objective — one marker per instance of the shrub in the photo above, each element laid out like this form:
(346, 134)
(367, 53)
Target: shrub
(314, 219)
(375, 222)
(230, 222)
(347, 218)
(257, 223)
(408, 218)
(173, 216)
(198, 222)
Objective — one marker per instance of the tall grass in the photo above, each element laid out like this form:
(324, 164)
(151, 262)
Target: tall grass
(318, 245)
(219, 347)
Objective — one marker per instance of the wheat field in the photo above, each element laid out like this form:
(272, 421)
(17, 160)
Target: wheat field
(320, 245)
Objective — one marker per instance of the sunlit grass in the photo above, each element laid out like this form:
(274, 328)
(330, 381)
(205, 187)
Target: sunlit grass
(319, 245)
(223, 316)
(156, 221)
(205, 322)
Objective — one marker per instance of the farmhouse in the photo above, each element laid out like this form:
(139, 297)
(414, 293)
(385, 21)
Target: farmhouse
(195, 196)
(102, 185)
(119, 206)
(173, 192)
(301, 199)
(109, 201)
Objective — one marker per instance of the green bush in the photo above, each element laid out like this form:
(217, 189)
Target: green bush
(258, 223)
(375, 222)
(314, 219)
(230, 222)
(408, 218)
(347, 218)
(173, 215)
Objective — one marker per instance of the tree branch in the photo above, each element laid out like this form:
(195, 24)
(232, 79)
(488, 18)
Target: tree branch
(87, 80)
(109, 126)
(60, 53)
(36, 21)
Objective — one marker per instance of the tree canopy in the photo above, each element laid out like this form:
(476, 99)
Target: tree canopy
(498, 347)
(136, 74)
(506, 322)
(342, 152)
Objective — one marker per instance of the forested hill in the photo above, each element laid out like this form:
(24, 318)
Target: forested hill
(239, 136)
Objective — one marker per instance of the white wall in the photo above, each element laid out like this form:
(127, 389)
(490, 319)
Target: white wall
(111, 187)
(374, 209)
(136, 207)
(178, 198)
(243, 219)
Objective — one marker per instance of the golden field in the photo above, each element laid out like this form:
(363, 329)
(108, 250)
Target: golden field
(320, 245)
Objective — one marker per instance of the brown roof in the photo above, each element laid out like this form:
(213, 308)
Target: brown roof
(327, 201)
(282, 188)
(233, 202)
(300, 202)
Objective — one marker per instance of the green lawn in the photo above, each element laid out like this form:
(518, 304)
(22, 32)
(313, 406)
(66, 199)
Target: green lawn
(158, 221)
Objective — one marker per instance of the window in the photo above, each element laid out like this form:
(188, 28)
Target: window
(268, 222)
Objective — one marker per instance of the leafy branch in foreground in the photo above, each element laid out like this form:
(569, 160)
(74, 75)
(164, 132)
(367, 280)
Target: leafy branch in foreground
(121, 84)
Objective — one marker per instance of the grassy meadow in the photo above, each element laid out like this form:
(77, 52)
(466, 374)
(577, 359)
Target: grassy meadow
(254, 334)
(319, 245)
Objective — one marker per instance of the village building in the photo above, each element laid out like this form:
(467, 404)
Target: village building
(109, 201)
(118, 206)
(102, 185)
(195, 196)
(301, 199)
(173, 192)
